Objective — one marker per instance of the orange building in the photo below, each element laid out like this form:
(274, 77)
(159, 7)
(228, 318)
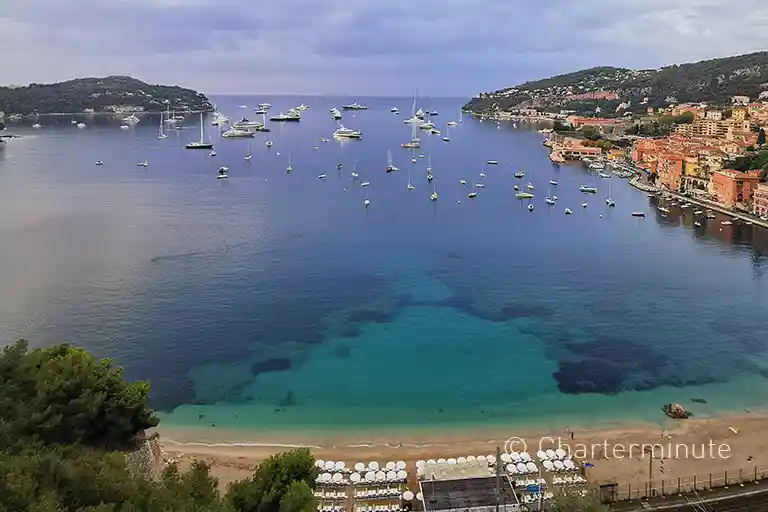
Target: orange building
(670, 170)
(760, 200)
(730, 187)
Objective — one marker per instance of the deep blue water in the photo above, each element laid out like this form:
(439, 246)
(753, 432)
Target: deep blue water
(274, 299)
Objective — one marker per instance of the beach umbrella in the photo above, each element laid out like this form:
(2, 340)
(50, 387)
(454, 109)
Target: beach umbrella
(320, 463)
(551, 454)
(381, 476)
(514, 457)
(532, 467)
(560, 453)
(568, 463)
(461, 460)
(421, 463)
(337, 477)
(392, 475)
(401, 465)
(318, 477)
(330, 465)
(505, 457)
(481, 457)
(511, 468)
(559, 464)
(402, 474)
(340, 466)
(548, 465)
(370, 476)
(451, 461)
(441, 461)
(359, 467)
(522, 468)
(373, 465)
(326, 477)
(419, 496)
(431, 462)
(491, 459)
(354, 478)
(407, 496)
(542, 455)
(391, 465)
(525, 456)
(471, 458)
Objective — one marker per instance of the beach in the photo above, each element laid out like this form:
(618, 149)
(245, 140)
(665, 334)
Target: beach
(682, 449)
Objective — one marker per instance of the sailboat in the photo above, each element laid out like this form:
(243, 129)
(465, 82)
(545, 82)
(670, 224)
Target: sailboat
(429, 164)
(390, 165)
(289, 168)
(202, 144)
(415, 117)
(447, 137)
(472, 194)
(248, 155)
(433, 197)
(367, 201)
(608, 200)
(549, 199)
(410, 185)
(354, 174)
(161, 133)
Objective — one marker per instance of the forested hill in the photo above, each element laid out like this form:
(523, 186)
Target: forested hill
(98, 94)
(714, 81)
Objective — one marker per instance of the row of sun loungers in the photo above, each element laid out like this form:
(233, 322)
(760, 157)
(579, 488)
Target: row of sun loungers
(568, 480)
(380, 493)
(391, 507)
(324, 494)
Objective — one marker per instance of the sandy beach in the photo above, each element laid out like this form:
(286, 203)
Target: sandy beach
(681, 449)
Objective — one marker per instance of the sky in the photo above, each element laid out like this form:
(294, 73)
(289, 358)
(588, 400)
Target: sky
(363, 47)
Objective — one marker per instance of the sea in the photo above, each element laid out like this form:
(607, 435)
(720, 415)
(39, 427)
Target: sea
(277, 301)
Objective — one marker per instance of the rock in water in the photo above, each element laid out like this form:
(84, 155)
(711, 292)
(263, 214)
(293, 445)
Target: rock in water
(676, 411)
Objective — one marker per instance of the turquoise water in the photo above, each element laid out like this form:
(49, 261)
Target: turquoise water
(277, 301)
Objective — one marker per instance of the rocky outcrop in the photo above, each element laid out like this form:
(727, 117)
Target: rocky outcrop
(676, 411)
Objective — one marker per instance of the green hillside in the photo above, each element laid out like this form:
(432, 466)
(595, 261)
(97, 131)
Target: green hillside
(97, 93)
(714, 81)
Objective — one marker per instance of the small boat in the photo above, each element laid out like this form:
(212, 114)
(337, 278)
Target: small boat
(472, 195)
(325, 140)
(686, 205)
(610, 202)
(339, 165)
(726, 223)
(390, 165)
(367, 203)
(638, 214)
(584, 205)
(125, 127)
(568, 211)
(480, 185)
(223, 173)
(302, 107)
(524, 195)
(604, 175)
(452, 123)
(433, 113)
(462, 182)
(519, 174)
(248, 156)
(550, 201)
(492, 162)
(555, 198)
(529, 186)
(335, 114)
(482, 175)
(99, 162)
(212, 153)
(395, 110)
(289, 168)
(553, 183)
(588, 190)
(365, 184)
(433, 197)
(663, 210)
(354, 175)
(142, 164)
(530, 207)
(268, 143)
(81, 125)
(413, 144)
(322, 176)
(37, 125)
(429, 178)
(698, 212)
(516, 188)
(697, 224)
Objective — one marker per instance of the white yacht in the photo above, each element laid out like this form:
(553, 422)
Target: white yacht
(125, 127)
(99, 162)
(568, 211)
(390, 165)
(553, 183)
(81, 125)
(588, 190)
(219, 119)
(268, 143)
(142, 164)
(131, 119)
(247, 124)
(291, 115)
(302, 107)
(160, 132)
(234, 133)
(37, 126)
(524, 195)
(335, 113)
(354, 106)
(531, 207)
(347, 133)
(223, 173)
(395, 110)
(452, 123)
(322, 176)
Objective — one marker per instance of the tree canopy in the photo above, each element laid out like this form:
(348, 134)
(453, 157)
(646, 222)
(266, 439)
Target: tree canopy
(65, 414)
(761, 137)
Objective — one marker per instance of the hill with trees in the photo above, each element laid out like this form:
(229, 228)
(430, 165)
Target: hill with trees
(713, 81)
(67, 421)
(99, 94)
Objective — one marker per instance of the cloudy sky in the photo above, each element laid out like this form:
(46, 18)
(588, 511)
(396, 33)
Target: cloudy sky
(387, 47)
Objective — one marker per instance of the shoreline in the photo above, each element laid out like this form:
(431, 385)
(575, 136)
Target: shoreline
(233, 454)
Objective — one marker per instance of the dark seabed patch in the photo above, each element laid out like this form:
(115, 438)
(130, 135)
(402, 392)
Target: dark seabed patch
(495, 312)
(278, 364)
(341, 352)
(370, 316)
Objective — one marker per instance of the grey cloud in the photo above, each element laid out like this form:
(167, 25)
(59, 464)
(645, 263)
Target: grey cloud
(319, 46)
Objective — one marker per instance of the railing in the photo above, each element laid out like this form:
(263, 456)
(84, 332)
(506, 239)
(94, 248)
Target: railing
(680, 485)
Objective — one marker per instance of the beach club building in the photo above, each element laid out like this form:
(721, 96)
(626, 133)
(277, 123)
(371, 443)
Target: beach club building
(477, 494)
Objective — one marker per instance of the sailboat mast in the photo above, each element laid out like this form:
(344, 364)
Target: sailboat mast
(201, 127)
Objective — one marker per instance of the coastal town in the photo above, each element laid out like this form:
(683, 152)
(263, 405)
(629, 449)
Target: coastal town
(713, 155)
